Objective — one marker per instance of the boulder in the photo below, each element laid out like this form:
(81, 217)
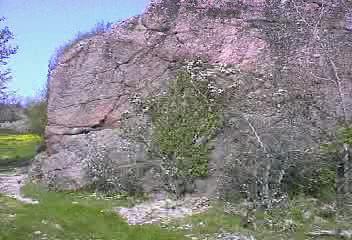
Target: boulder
(260, 51)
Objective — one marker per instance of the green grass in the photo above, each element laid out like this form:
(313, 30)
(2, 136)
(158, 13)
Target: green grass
(216, 221)
(211, 222)
(17, 149)
(83, 215)
(67, 216)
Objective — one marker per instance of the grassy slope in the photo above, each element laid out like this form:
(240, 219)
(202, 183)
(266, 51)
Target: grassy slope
(17, 149)
(86, 216)
(71, 216)
(217, 221)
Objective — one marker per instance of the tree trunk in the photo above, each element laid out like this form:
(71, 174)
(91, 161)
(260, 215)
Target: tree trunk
(341, 186)
(267, 198)
(253, 196)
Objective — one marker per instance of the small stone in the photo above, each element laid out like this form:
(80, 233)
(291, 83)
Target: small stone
(307, 215)
(37, 232)
(58, 226)
(319, 220)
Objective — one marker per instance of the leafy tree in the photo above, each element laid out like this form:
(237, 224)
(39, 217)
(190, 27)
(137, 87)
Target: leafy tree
(6, 50)
(36, 111)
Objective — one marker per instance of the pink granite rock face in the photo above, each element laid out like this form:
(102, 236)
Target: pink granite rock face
(92, 86)
(95, 77)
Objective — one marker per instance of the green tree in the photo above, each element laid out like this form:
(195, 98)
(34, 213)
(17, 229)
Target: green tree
(36, 111)
(6, 51)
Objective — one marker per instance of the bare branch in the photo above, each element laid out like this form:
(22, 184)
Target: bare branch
(338, 82)
(256, 134)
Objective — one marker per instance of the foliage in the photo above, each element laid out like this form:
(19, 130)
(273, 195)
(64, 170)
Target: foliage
(184, 120)
(108, 177)
(17, 149)
(234, 185)
(37, 115)
(345, 135)
(342, 136)
(68, 215)
(6, 50)
(321, 184)
(36, 111)
(315, 178)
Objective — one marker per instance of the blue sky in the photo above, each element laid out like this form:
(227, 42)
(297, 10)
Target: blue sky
(41, 26)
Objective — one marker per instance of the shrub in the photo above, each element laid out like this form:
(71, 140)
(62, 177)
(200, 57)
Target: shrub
(315, 178)
(108, 177)
(37, 115)
(36, 111)
(184, 120)
(322, 183)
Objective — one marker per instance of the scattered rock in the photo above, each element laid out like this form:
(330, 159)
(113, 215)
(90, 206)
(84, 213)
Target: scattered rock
(327, 211)
(11, 184)
(307, 215)
(58, 226)
(233, 236)
(344, 234)
(319, 220)
(162, 211)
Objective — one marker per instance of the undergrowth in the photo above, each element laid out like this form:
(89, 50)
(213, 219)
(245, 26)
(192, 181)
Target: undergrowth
(184, 120)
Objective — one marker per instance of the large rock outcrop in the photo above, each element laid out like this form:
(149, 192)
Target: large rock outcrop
(287, 64)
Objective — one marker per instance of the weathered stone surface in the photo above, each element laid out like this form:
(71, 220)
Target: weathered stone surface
(95, 77)
(68, 168)
(260, 51)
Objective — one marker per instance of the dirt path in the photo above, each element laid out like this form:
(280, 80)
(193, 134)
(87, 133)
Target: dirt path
(11, 184)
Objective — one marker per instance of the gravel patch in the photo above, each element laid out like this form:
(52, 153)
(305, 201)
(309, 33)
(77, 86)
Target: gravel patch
(163, 211)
